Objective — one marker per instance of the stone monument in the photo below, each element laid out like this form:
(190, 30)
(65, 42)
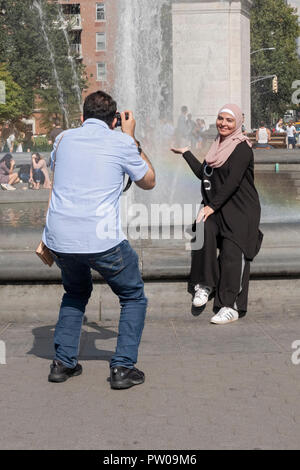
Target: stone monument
(211, 57)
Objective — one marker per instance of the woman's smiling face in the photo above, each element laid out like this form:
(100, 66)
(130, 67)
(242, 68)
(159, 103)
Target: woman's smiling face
(226, 124)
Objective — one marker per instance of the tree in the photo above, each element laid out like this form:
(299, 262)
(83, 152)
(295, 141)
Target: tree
(274, 24)
(38, 56)
(13, 108)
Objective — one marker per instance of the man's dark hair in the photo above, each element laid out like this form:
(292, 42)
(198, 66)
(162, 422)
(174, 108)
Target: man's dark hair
(100, 105)
(262, 123)
(184, 109)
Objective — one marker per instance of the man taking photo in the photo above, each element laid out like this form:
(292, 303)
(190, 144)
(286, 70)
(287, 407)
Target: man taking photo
(83, 231)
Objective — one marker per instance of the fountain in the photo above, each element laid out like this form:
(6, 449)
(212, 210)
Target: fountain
(173, 45)
(38, 6)
(143, 74)
(159, 66)
(71, 59)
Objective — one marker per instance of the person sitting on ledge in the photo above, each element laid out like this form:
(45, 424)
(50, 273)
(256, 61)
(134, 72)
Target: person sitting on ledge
(39, 172)
(7, 177)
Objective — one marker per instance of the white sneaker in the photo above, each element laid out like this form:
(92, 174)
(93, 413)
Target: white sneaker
(9, 187)
(201, 296)
(225, 315)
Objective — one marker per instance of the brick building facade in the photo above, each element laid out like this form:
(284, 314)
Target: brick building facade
(93, 28)
(93, 31)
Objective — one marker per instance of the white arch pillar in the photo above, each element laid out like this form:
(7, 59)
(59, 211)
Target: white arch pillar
(211, 57)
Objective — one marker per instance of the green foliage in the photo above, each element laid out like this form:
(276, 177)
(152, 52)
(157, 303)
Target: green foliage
(23, 46)
(273, 24)
(41, 144)
(13, 108)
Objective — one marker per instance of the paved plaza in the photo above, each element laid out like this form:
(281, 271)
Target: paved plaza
(207, 387)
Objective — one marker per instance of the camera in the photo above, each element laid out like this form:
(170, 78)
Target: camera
(119, 121)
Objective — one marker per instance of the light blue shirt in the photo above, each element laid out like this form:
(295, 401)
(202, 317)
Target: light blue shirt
(84, 212)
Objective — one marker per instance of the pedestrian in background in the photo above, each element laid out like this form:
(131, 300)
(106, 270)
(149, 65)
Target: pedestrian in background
(57, 129)
(291, 134)
(182, 130)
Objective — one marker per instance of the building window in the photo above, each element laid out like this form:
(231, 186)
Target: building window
(101, 71)
(100, 11)
(73, 9)
(100, 41)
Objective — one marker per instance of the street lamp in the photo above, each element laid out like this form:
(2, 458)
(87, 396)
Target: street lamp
(259, 79)
(264, 49)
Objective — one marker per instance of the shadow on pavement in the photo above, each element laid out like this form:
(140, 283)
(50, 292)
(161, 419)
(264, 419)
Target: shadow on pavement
(43, 342)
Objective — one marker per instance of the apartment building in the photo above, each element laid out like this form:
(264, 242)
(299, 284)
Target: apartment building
(93, 29)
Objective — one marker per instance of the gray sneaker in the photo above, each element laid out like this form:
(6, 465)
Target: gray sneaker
(225, 315)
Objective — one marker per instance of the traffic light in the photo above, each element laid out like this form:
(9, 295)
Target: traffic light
(275, 84)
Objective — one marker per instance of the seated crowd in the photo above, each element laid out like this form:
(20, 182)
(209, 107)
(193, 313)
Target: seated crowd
(35, 174)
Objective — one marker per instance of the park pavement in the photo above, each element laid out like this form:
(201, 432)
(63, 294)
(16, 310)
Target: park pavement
(207, 387)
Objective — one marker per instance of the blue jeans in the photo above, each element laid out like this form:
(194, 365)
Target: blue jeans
(292, 141)
(262, 146)
(38, 176)
(119, 268)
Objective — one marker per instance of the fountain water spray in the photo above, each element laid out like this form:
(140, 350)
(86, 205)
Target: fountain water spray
(38, 6)
(71, 59)
(139, 60)
(143, 73)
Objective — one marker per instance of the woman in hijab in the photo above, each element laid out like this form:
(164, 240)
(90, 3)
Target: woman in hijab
(231, 216)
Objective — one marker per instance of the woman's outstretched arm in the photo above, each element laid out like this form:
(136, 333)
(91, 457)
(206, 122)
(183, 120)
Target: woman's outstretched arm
(194, 164)
(191, 160)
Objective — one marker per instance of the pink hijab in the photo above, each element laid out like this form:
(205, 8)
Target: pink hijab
(219, 152)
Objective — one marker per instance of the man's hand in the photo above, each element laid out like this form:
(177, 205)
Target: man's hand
(128, 125)
(204, 213)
